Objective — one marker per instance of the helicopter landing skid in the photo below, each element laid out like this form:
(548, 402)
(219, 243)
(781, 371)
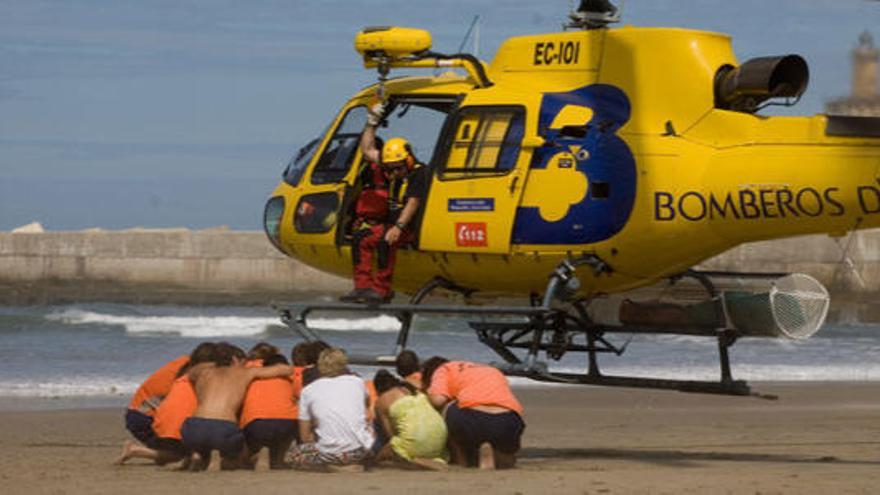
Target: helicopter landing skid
(538, 328)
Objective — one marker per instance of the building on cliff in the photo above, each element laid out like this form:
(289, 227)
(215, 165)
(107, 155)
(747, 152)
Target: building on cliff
(865, 98)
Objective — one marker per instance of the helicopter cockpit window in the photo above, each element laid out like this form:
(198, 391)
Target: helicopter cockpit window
(486, 142)
(297, 165)
(339, 153)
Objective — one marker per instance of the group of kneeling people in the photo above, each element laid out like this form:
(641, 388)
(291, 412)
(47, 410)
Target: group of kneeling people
(220, 407)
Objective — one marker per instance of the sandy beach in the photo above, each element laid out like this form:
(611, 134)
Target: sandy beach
(817, 438)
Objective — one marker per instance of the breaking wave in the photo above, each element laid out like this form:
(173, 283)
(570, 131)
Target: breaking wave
(81, 387)
(209, 326)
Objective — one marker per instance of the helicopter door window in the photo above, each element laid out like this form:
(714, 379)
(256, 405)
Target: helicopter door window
(420, 121)
(486, 142)
(338, 155)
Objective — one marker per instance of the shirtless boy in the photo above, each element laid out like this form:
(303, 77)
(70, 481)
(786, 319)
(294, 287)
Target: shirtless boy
(213, 430)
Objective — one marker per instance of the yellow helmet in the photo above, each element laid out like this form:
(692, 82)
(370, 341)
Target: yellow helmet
(395, 150)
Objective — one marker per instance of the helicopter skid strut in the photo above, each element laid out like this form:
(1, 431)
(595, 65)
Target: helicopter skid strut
(538, 328)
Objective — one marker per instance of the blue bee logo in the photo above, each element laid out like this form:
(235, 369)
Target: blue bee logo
(582, 182)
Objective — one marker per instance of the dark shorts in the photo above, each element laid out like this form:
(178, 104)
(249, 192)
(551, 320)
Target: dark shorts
(381, 437)
(470, 428)
(170, 446)
(203, 435)
(140, 425)
(272, 433)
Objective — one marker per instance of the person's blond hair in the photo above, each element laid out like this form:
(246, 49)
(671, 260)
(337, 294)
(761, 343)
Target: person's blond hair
(332, 362)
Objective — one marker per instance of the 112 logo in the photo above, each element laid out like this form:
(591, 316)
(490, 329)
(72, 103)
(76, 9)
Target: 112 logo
(471, 234)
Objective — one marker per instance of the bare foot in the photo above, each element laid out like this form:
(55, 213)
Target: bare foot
(262, 464)
(127, 446)
(430, 464)
(487, 457)
(181, 465)
(196, 463)
(214, 465)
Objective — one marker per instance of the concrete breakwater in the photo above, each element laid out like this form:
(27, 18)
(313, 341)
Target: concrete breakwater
(152, 266)
(234, 267)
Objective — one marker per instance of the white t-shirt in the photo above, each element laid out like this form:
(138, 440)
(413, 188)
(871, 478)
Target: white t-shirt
(337, 406)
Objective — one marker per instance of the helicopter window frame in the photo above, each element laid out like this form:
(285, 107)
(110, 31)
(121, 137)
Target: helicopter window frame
(331, 175)
(445, 173)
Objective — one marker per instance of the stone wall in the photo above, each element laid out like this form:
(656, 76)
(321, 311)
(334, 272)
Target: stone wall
(218, 266)
(179, 266)
(848, 265)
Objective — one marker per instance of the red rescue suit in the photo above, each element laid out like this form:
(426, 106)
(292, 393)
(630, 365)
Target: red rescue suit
(375, 209)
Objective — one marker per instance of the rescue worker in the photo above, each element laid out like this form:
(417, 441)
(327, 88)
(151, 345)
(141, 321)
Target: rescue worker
(395, 187)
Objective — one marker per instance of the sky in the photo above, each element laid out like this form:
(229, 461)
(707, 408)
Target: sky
(166, 113)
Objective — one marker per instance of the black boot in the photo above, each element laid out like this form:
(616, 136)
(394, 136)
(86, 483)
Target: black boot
(358, 296)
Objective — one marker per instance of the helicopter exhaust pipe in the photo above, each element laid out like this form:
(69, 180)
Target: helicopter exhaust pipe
(744, 88)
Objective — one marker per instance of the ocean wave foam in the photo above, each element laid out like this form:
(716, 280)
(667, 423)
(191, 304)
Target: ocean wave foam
(381, 323)
(748, 372)
(205, 326)
(98, 386)
(85, 387)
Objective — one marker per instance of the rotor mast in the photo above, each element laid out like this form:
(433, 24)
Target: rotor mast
(593, 14)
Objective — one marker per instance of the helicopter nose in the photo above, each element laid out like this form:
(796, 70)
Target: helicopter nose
(272, 220)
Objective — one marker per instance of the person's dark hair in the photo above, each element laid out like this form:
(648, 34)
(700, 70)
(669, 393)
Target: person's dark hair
(226, 353)
(428, 369)
(299, 355)
(407, 363)
(314, 351)
(274, 359)
(237, 352)
(309, 375)
(203, 353)
(385, 381)
(262, 350)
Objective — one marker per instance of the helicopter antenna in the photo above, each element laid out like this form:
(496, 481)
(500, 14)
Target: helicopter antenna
(594, 14)
(472, 29)
(477, 31)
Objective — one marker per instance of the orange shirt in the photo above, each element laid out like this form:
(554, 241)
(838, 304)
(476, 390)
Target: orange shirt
(296, 384)
(371, 391)
(268, 398)
(179, 404)
(296, 380)
(473, 384)
(157, 385)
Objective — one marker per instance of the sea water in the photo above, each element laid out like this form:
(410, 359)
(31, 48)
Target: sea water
(100, 350)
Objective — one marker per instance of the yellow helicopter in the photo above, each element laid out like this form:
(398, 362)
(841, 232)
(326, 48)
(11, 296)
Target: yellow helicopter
(587, 162)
